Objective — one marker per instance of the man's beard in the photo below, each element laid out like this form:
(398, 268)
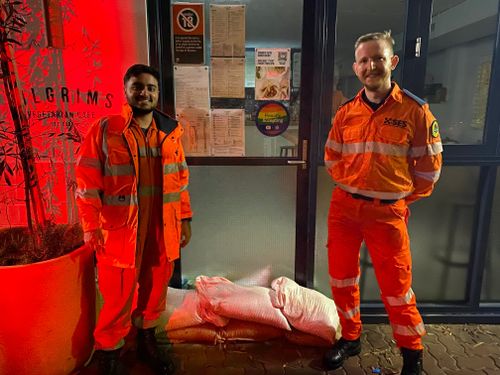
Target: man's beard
(141, 111)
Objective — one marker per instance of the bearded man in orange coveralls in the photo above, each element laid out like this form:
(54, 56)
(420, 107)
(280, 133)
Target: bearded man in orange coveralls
(135, 210)
(383, 152)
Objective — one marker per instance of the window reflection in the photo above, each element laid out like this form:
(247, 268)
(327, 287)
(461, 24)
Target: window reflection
(458, 67)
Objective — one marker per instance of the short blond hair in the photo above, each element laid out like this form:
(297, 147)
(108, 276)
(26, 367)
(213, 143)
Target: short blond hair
(384, 35)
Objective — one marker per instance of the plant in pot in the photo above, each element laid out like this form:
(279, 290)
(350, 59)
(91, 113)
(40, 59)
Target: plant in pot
(47, 284)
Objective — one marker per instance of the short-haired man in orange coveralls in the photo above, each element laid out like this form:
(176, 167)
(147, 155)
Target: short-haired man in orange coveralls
(135, 211)
(383, 152)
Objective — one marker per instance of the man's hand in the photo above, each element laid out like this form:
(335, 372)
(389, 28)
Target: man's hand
(185, 232)
(94, 239)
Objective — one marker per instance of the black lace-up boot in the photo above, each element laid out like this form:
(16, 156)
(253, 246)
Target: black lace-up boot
(148, 351)
(109, 363)
(343, 349)
(412, 362)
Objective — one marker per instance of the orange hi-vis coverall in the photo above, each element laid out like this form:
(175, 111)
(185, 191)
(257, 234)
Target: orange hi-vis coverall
(133, 185)
(381, 161)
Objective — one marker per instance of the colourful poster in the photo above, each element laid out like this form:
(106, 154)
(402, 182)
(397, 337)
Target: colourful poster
(272, 119)
(272, 73)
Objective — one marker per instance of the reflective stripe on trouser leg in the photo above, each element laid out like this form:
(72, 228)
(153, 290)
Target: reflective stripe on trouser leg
(117, 287)
(388, 242)
(344, 241)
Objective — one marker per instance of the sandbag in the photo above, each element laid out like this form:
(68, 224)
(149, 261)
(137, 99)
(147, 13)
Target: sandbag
(183, 310)
(204, 333)
(240, 330)
(230, 300)
(306, 310)
(305, 339)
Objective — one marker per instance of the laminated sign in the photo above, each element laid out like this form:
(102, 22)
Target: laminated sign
(188, 31)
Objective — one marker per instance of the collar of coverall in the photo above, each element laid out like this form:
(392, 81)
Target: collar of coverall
(164, 123)
(396, 93)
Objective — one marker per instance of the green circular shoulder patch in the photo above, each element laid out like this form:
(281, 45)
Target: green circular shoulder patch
(435, 129)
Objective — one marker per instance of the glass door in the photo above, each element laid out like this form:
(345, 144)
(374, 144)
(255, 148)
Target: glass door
(244, 187)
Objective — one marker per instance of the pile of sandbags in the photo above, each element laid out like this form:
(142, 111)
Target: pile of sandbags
(219, 311)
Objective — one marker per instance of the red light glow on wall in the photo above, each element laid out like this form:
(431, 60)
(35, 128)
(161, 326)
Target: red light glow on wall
(71, 65)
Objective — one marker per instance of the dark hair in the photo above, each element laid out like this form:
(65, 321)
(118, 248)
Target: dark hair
(138, 69)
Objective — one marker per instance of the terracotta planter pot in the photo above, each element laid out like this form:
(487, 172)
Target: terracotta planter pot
(47, 315)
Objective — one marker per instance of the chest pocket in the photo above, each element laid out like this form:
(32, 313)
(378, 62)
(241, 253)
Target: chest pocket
(353, 134)
(393, 134)
(117, 151)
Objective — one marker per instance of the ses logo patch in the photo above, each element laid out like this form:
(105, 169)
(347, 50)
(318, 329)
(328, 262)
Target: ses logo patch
(435, 129)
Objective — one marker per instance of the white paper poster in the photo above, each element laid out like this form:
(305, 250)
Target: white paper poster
(227, 30)
(197, 136)
(228, 77)
(228, 132)
(272, 73)
(191, 88)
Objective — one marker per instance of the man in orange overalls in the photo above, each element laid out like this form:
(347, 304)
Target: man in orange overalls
(135, 211)
(383, 152)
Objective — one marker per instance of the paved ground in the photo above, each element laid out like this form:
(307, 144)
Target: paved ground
(450, 349)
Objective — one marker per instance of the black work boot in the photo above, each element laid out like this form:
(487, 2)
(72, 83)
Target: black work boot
(148, 351)
(109, 363)
(412, 362)
(343, 349)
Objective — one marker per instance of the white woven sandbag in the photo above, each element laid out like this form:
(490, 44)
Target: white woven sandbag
(306, 310)
(230, 300)
(183, 310)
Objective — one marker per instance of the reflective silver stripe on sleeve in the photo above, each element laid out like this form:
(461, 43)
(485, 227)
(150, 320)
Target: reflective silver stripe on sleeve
(375, 147)
(374, 194)
(400, 301)
(174, 167)
(87, 193)
(430, 149)
(87, 162)
(429, 176)
(349, 314)
(418, 330)
(335, 146)
(184, 187)
(120, 200)
(171, 168)
(342, 283)
(416, 152)
(434, 148)
(119, 170)
(171, 197)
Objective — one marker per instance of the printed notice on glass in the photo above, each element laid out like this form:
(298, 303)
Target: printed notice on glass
(197, 135)
(272, 73)
(188, 33)
(228, 77)
(227, 30)
(191, 87)
(228, 132)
